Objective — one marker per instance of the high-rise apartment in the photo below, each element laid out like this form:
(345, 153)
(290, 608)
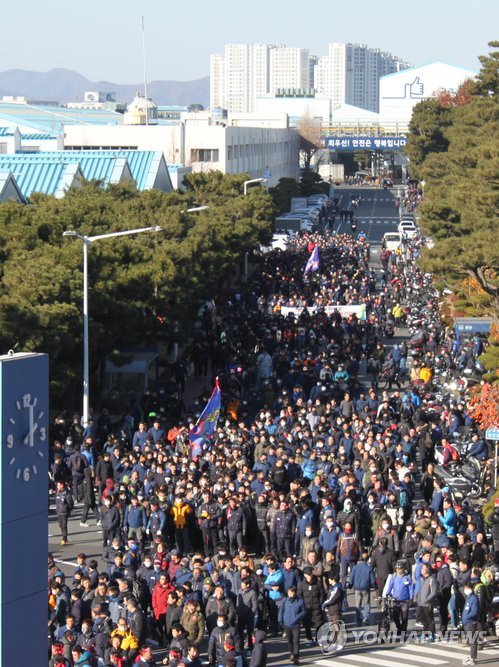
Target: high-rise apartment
(289, 69)
(350, 74)
(247, 71)
(239, 76)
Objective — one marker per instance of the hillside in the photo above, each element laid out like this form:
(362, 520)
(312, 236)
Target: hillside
(63, 85)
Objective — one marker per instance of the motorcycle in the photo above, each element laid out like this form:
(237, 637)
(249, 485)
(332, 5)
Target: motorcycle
(389, 330)
(464, 479)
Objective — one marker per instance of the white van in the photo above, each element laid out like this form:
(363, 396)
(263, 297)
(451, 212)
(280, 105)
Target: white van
(391, 241)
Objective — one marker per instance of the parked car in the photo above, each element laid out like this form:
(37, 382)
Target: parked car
(408, 227)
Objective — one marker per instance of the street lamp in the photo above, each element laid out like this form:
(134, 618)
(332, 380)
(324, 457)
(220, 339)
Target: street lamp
(252, 180)
(194, 209)
(87, 240)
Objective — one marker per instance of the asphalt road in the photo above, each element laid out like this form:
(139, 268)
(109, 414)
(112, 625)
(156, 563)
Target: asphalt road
(377, 212)
(376, 215)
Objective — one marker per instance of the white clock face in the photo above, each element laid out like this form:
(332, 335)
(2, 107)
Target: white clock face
(30, 435)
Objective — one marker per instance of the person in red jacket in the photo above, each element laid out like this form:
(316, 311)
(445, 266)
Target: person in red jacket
(159, 602)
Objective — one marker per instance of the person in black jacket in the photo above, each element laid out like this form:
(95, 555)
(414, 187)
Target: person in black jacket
(285, 523)
(311, 591)
(88, 498)
(110, 521)
(247, 610)
(103, 470)
(235, 525)
(444, 581)
(382, 560)
(259, 652)
(223, 633)
(64, 505)
(208, 515)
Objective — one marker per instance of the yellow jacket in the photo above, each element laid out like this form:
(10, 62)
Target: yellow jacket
(179, 513)
(397, 311)
(128, 641)
(425, 374)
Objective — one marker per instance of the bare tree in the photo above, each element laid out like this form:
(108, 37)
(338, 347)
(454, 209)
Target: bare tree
(311, 139)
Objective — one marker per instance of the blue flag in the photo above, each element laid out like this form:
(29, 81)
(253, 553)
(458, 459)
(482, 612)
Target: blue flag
(207, 422)
(313, 261)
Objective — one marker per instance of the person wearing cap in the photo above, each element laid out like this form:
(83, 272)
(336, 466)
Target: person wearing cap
(400, 587)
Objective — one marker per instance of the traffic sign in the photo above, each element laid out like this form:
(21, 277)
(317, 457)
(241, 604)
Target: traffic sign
(492, 433)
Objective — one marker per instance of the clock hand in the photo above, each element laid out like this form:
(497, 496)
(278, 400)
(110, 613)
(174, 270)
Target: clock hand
(29, 436)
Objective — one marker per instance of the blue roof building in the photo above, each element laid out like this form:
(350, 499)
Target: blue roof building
(54, 173)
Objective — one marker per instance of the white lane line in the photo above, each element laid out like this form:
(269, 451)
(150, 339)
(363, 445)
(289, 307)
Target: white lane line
(66, 562)
(399, 654)
(431, 650)
(389, 661)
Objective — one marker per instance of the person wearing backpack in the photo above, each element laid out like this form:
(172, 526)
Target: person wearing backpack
(64, 505)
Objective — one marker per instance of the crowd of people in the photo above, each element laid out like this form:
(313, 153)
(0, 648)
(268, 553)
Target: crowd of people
(314, 483)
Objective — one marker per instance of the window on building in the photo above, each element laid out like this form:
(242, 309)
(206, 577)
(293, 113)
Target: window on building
(204, 155)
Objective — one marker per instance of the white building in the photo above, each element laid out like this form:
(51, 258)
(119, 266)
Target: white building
(400, 92)
(350, 74)
(239, 76)
(289, 69)
(217, 81)
(246, 72)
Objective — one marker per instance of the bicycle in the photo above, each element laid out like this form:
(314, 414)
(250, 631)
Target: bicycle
(386, 614)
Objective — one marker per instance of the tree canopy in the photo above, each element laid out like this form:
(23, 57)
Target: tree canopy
(454, 148)
(138, 286)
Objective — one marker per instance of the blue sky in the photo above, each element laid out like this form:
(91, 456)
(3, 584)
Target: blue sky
(101, 39)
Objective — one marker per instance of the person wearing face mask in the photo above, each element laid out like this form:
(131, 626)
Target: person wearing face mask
(470, 619)
(309, 543)
(410, 543)
(390, 534)
(329, 534)
(222, 634)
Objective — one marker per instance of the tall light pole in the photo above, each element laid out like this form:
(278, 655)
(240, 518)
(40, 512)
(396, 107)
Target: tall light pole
(87, 240)
(252, 180)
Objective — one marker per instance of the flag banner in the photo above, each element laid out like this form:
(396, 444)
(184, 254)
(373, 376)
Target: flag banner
(207, 422)
(345, 311)
(313, 261)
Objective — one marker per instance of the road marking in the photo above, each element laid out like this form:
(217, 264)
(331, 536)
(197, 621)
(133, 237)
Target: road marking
(389, 661)
(431, 650)
(66, 562)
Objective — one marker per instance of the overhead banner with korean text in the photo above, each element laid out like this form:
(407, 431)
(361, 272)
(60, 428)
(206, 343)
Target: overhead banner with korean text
(364, 143)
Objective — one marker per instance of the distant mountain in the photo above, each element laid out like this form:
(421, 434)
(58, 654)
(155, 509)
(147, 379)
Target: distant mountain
(64, 85)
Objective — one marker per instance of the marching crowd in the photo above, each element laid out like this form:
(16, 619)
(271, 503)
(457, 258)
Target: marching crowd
(315, 482)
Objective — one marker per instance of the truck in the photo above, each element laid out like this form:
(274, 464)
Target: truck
(337, 173)
(298, 202)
